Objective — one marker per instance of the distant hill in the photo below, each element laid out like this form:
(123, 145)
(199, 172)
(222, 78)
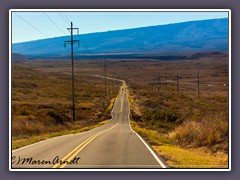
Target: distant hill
(18, 58)
(186, 37)
(208, 55)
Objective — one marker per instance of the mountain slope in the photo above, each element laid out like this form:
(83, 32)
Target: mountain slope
(194, 36)
(18, 57)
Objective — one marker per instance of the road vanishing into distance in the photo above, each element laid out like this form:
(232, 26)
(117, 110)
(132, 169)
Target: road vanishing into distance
(113, 145)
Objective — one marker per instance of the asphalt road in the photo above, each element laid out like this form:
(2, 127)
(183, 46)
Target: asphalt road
(113, 145)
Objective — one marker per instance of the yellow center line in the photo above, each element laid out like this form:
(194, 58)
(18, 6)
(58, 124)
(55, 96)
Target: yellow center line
(69, 154)
(122, 102)
(121, 105)
(79, 148)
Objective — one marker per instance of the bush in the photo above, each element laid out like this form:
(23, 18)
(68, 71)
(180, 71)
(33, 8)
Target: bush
(59, 118)
(210, 131)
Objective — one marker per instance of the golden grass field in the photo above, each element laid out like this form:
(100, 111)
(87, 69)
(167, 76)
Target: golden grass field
(189, 132)
(42, 104)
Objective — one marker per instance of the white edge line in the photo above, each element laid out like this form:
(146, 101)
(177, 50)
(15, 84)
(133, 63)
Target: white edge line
(61, 135)
(52, 137)
(100, 10)
(42, 142)
(152, 152)
(149, 148)
(12, 151)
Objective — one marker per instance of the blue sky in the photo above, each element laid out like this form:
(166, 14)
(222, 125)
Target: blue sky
(27, 26)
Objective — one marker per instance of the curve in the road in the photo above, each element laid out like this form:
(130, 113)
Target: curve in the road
(113, 145)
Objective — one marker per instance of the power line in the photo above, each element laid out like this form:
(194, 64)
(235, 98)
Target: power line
(31, 25)
(72, 43)
(67, 20)
(63, 18)
(66, 17)
(54, 23)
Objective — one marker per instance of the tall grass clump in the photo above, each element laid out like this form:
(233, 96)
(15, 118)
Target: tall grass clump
(211, 131)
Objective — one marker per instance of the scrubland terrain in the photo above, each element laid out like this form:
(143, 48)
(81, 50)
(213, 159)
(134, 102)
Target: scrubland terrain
(187, 127)
(42, 103)
(187, 130)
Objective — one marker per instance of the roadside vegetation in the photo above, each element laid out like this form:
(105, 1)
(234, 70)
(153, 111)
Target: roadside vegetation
(188, 121)
(180, 157)
(21, 142)
(42, 104)
(189, 132)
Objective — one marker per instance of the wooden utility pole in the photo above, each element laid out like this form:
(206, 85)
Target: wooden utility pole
(159, 81)
(177, 83)
(105, 75)
(198, 81)
(72, 54)
(113, 83)
(166, 79)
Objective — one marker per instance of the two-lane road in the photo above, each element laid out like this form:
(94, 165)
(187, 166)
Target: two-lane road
(113, 145)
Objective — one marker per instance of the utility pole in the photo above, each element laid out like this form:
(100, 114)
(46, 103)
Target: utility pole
(198, 81)
(72, 54)
(116, 83)
(177, 83)
(113, 83)
(159, 81)
(105, 74)
(166, 79)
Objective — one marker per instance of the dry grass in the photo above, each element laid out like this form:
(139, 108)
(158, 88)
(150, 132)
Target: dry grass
(180, 157)
(211, 131)
(41, 102)
(167, 119)
(188, 132)
(21, 142)
(188, 121)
